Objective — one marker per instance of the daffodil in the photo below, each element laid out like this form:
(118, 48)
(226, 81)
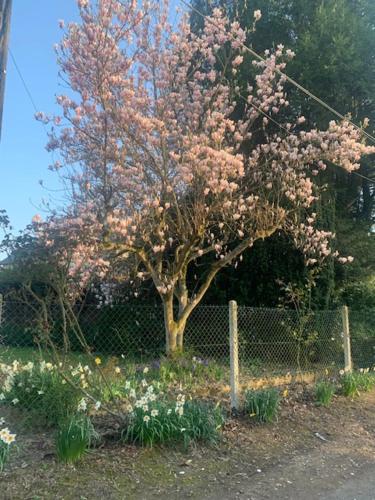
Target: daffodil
(82, 405)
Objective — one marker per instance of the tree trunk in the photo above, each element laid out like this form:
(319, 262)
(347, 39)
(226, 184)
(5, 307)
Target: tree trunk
(180, 336)
(169, 325)
(182, 303)
(174, 330)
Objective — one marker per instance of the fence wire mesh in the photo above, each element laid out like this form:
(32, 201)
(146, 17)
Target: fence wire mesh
(272, 342)
(362, 333)
(127, 330)
(279, 342)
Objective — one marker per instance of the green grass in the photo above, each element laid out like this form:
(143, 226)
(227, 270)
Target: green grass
(188, 370)
(26, 354)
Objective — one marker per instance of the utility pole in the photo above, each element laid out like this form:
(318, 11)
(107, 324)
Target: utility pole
(5, 14)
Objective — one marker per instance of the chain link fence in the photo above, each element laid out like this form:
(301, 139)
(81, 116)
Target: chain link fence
(272, 342)
(281, 343)
(135, 332)
(362, 333)
(227, 349)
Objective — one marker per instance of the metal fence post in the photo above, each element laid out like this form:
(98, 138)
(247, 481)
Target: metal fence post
(234, 370)
(347, 347)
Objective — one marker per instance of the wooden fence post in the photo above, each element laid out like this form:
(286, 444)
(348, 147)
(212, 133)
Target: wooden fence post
(347, 347)
(234, 370)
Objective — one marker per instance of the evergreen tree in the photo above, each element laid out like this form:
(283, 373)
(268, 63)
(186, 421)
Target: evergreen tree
(334, 42)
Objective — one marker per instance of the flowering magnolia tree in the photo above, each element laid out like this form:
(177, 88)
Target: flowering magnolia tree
(162, 177)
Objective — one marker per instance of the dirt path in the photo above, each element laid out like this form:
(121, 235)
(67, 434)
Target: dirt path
(310, 453)
(334, 460)
(329, 473)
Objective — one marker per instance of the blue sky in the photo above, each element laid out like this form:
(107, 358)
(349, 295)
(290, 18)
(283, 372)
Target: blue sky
(23, 158)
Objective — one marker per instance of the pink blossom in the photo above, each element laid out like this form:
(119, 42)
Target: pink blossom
(237, 61)
(152, 155)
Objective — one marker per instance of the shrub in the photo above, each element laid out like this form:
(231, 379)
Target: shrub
(6, 441)
(263, 405)
(74, 437)
(324, 392)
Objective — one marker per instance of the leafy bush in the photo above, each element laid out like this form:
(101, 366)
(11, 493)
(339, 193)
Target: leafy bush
(263, 405)
(74, 437)
(324, 392)
(6, 441)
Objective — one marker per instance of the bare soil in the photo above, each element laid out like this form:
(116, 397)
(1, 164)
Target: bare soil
(310, 453)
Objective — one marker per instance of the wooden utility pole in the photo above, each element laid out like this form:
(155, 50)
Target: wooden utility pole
(5, 14)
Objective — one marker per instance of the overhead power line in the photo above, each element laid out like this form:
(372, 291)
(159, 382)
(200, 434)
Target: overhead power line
(288, 78)
(23, 81)
(25, 86)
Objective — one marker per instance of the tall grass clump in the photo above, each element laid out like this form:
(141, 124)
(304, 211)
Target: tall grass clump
(365, 380)
(349, 385)
(74, 437)
(353, 383)
(324, 392)
(262, 405)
